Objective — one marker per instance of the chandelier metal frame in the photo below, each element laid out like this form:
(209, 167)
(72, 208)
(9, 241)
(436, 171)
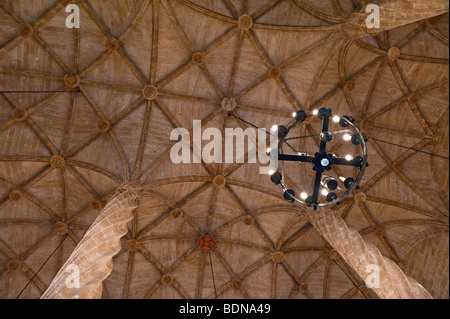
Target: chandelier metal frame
(322, 161)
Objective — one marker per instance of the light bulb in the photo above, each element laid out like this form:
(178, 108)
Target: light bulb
(303, 196)
(294, 114)
(336, 119)
(347, 137)
(271, 172)
(269, 150)
(275, 128)
(324, 192)
(315, 112)
(349, 157)
(324, 162)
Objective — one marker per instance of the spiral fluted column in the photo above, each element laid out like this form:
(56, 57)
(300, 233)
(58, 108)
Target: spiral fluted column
(91, 261)
(364, 257)
(395, 13)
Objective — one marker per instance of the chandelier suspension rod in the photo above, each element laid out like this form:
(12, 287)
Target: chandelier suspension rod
(45, 262)
(212, 273)
(409, 148)
(369, 138)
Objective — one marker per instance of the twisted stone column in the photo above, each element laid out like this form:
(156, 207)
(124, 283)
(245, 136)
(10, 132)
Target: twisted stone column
(91, 261)
(395, 13)
(365, 258)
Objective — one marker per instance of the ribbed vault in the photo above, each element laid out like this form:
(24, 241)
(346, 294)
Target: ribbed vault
(144, 67)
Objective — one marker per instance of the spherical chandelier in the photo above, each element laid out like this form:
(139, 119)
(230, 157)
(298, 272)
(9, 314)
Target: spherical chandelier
(332, 165)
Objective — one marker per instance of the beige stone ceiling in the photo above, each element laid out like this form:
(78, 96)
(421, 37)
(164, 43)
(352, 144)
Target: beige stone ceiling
(62, 154)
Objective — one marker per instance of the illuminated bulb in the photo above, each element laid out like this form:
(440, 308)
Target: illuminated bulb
(303, 196)
(336, 119)
(294, 114)
(349, 157)
(275, 128)
(324, 192)
(315, 112)
(347, 137)
(324, 162)
(271, 172)
(269, 150)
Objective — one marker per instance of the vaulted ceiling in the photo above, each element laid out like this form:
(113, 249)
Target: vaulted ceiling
(136, 69)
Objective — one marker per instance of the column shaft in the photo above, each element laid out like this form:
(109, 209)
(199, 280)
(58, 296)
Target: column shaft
(365, 258)
(91, 261)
